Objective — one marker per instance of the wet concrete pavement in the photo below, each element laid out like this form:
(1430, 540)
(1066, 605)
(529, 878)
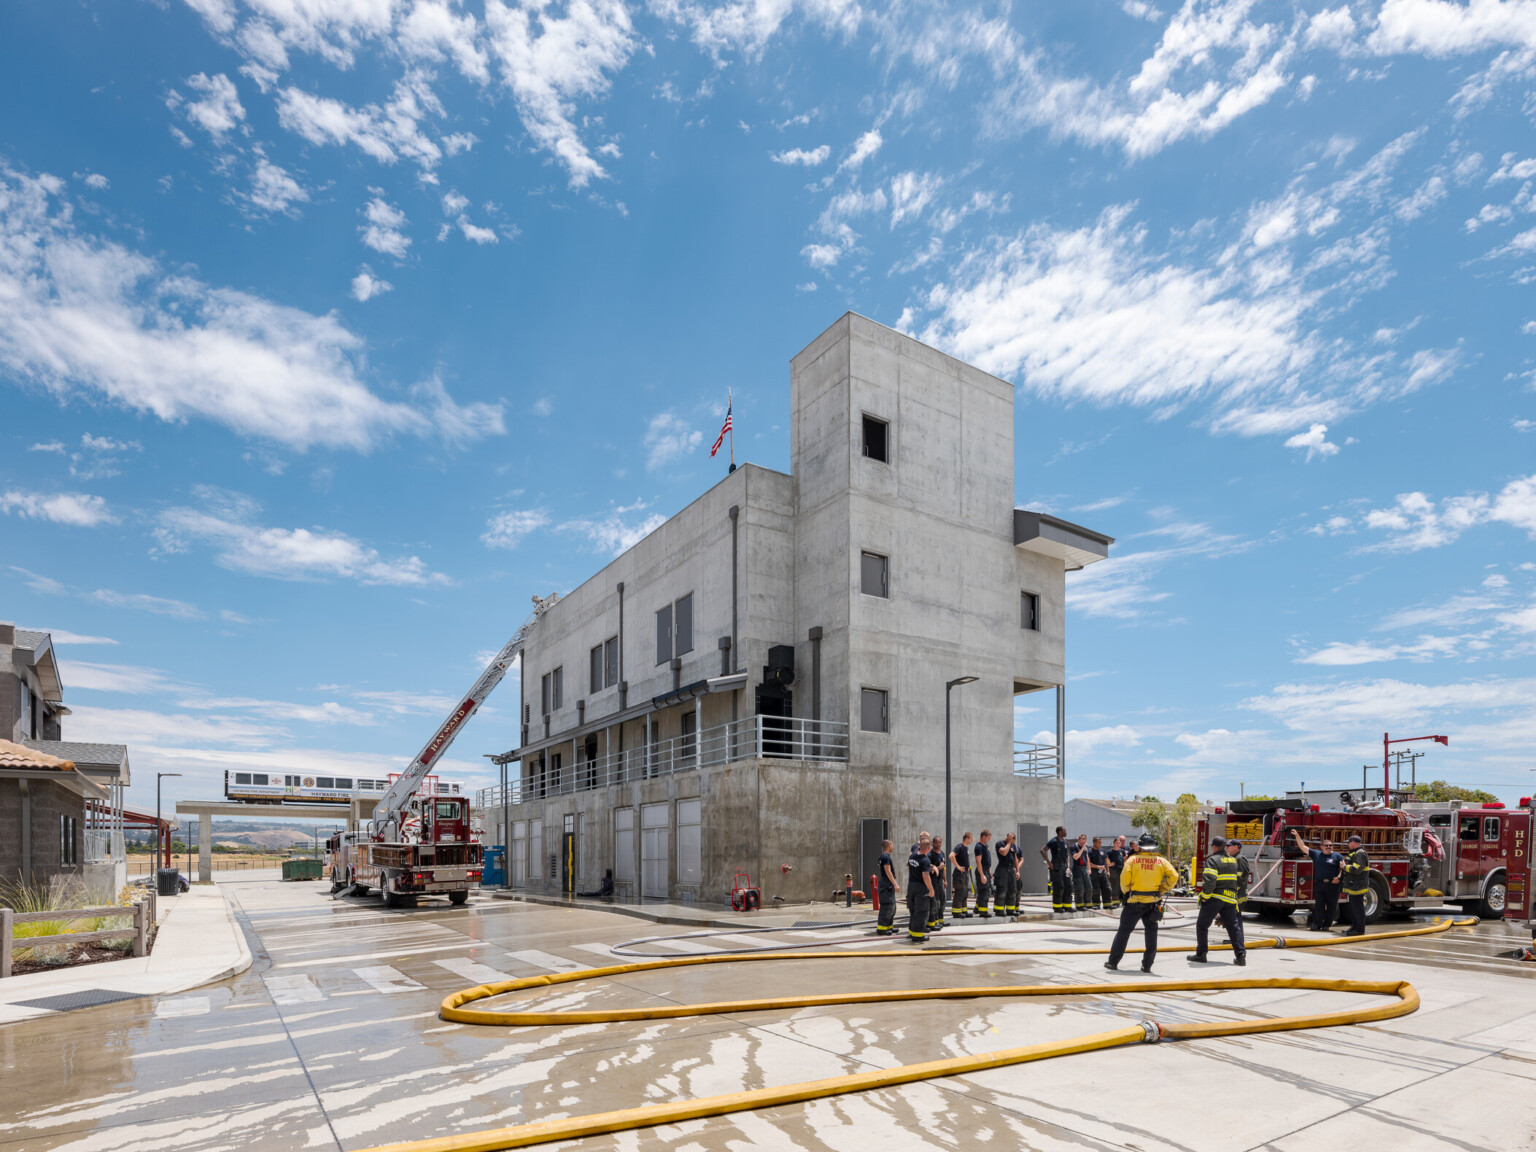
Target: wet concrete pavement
(331, 1040)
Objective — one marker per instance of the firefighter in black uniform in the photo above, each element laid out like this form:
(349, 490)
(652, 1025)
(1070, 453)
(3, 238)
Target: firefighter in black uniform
(1115, 858)
(1055, 854)
(983, 875)
(1219, 881)
(960, 879)
(919, 889)
(940, 888)
(885, 889)
(1004, 900)
(1357, 867)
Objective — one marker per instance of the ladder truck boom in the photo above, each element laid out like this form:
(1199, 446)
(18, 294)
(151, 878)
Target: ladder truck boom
(394, 801)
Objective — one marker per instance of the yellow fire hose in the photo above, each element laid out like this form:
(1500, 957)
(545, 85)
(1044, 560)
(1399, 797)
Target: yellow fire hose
(651, 1115)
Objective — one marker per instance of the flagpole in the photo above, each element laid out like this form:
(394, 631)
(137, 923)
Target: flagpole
(729, 400)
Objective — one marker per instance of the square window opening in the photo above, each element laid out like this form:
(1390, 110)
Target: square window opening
(1029, 611)
(875, 710)
(875, 575)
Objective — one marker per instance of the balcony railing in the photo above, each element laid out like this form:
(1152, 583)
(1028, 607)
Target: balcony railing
(1038, 760)
(753, 737)
(103, 846)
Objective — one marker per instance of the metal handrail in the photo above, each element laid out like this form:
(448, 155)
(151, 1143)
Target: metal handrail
(1038, 760)
(750, 738)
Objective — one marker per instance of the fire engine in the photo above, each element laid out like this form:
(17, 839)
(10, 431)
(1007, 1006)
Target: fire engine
(1422, 855)
(1520, 903)
(418, 842)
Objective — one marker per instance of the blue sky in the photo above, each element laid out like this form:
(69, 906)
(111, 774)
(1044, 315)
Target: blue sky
(333, 330)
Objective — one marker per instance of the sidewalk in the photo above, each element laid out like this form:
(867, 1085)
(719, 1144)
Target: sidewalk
(198, 943)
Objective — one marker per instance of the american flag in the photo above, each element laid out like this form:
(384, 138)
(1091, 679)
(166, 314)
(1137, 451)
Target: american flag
(725, 430)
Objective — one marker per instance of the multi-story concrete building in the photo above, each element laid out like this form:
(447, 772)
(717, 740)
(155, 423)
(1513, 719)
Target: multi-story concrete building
(759, 686)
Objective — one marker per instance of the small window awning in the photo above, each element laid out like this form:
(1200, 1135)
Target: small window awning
(1074, 545)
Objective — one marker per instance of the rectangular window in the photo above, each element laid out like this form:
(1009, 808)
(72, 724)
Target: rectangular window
(291, 781)
(875, 575)
(535, 849)
(1491, 829)
(690, 864)
(66, 841)
(520, 852)
(611, 661)
(258, 777)
(325, 782)
(343, 782)
(557, 690)
(690, 734)
(624, 846)
(664, 635)
(544, 694)
(875, 437)
(684, 625)
(596, 663)
(242, 777)
(875, 710)
(1029, 611)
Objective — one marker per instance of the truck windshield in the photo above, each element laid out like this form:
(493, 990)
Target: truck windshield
(447, 810)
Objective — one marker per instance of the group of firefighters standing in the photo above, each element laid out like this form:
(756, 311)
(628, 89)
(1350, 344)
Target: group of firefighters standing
(1084, 875)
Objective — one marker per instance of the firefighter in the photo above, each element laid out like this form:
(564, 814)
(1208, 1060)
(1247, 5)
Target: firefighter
(940, 889)
(984, 874)
(1082, 875)
(1219, 897)
(1326, 864)
(1115, 858)
(1006, 902)
(1145, 880)
(960, 878)
(1357, 867)
(919, 889)
(1098, 866)
(1244, 872)
(885, 889)
(1055, 853)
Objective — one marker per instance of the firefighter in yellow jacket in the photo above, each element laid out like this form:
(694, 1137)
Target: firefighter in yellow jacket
(1144, 881)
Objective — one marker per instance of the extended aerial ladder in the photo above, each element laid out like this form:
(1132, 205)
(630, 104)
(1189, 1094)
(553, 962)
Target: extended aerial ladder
(416, 846)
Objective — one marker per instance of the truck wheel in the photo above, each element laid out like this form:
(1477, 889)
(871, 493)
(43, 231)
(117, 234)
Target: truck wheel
(458, 897)
(1491, 906)
(1376, 898)
(391, 899)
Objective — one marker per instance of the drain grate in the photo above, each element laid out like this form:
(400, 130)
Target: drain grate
(73, 1000)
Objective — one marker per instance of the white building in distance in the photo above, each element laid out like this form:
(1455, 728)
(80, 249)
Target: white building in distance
(759, 685)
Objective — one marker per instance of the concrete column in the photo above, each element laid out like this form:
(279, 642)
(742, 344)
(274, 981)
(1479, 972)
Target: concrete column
(26, 831)
(205, 848)
(1061, 731)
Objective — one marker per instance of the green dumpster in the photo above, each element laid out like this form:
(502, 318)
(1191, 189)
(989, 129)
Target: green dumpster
(301, 869)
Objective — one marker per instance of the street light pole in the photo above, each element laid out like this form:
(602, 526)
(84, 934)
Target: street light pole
(159, 827)
(949, 840)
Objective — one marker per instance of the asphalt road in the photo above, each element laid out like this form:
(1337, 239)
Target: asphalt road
(331, 1040)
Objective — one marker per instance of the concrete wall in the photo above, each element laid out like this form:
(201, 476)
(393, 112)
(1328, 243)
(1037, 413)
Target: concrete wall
(48, 801)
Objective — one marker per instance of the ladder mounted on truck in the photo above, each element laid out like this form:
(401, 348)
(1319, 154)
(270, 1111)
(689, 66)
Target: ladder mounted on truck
(394, 801)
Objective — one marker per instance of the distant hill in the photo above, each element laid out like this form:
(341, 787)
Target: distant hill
(268, 834)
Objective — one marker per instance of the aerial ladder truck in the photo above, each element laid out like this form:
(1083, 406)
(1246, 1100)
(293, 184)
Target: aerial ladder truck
(419, 844)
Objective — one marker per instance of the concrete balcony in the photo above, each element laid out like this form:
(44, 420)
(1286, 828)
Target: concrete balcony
(751, 738)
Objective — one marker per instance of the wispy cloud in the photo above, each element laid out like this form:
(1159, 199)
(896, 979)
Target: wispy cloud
(74, 509)
(669, 437)
(618, 531)
(507, 529)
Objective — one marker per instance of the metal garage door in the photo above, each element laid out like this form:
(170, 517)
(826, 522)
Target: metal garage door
(653, 851)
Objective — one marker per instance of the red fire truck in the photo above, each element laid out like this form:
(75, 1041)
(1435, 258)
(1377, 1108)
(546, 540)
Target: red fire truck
(1422, 855)
(1520, 906)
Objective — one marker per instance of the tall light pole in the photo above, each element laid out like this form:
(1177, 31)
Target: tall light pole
(949, 840)
(160, 828)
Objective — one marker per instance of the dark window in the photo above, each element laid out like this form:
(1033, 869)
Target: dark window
(1468, 828)
(447, 810)
(611, 661)
(1029, 611)
(875, 434)
(684, 628)
(875, 575)
(597, 668)
(1491, 829)
(258, 778)
(875, 710)
(343, 782)
(556, 693)
(664, 635)
(242, 777)
(325, 782)
(690, 733)
(66, 839)
(544, 694)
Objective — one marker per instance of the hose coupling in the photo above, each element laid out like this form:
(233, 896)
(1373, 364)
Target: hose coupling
(1152, 1032)
(1280, 942)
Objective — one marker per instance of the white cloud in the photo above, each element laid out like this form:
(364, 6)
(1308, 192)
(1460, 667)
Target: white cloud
(381, 228)
(1315, 441)
(1447, 28)
(616, 532)
(142, 602)
(85, 316)
(475, 233)
(75, 509)
(65, 636)
(548, 61)
(863, 148)
(365, 285)
(1086, 742)
(227, 522)
(331, 29)
(125, 678)
(1121, 587)
(747, 26)
(821, 255)
(273, 190)
(911, 193)
(96, 181)
(1430, 193)
(1330, 28)
(806, 157)
(1338, 654)
(385, 133)
(507, 529)
(434, 30)
(1140, 10)
(218, 110)
(1366, 705)
(454, 203)
(669, 438)
(1416, 522)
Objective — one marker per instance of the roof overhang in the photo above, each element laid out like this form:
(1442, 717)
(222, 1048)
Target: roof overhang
(41, 659)
(1072, 544)
(76, 782)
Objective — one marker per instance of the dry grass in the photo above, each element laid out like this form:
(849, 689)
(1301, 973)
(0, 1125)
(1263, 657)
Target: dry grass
(64, 893)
